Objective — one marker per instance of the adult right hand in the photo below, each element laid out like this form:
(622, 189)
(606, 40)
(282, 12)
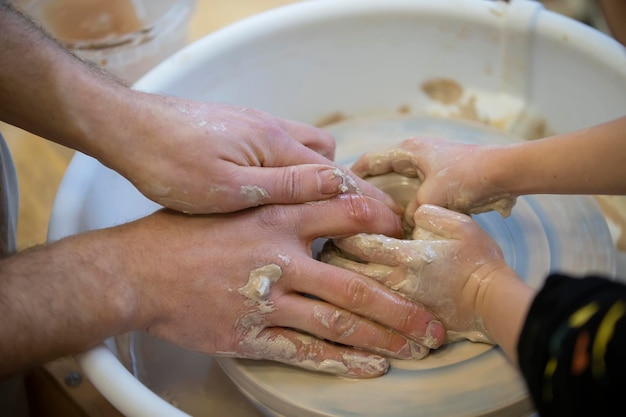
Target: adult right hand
(242, 284)
(188, 155)
(245, 285)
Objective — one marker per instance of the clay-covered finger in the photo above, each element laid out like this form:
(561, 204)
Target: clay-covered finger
(409, 211)
(395, 160)
(309, 352)
(442, 222)
(381, 249)
(370, 190)
(393, 277)
(364, 168)
(332, 256)
(372, 300)
(329, 322)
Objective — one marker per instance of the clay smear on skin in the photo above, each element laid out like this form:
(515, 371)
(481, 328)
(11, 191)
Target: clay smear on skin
(256, 291)
(258, 287)
(322, 316)
(253, 194)
(326, 320)
(347, 182)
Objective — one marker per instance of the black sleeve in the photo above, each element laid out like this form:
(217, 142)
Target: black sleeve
(572, 349)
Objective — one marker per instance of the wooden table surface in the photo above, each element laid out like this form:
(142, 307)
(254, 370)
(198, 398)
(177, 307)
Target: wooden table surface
(40, 168)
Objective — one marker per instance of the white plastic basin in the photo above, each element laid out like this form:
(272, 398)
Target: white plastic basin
(532, 71)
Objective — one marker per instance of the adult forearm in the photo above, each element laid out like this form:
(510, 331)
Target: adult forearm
(47, 90)
(60, 300)
(588, 161)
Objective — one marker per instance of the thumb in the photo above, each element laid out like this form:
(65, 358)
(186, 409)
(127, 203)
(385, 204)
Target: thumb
(442, 222)
(303, 183)
(427, 194)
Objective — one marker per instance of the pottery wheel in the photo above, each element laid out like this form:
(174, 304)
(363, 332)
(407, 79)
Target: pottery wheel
(543, 234)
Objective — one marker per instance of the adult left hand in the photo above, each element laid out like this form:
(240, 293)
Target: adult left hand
(200, 157)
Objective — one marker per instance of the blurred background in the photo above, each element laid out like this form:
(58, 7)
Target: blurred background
(129, 37)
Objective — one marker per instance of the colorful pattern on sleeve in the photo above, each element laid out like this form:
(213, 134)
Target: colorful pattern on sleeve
(572, 350)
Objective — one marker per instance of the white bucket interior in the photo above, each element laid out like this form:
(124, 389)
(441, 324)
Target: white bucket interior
(532, 71)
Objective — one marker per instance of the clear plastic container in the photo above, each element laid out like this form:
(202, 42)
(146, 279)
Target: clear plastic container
(126, 37)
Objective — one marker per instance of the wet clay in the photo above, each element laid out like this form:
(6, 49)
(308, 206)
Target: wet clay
(258, 287)
(253, 194)
(444, 90)
(348, 184)
(253, 344)
(462, 104)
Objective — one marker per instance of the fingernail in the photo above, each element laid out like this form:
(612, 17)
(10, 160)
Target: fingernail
(435, 334)
(333, 181)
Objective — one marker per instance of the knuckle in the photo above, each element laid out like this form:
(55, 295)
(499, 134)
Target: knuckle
(359, 293)
(407, 143)
(330, 143)
(306, 352)
(412, 321)
(360, 209)
(342, 323)
(272, 217)
(272, 129)
(291, 183)
(406, 322)
(278, 219)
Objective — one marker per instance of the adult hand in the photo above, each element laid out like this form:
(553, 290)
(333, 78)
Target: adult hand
(452, 175)
(245, 285)
(187, 155)
(200, 157)
(448, 267)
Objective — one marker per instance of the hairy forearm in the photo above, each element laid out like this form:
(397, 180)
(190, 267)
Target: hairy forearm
(588, 161)
(62, 299)
(48, 91)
